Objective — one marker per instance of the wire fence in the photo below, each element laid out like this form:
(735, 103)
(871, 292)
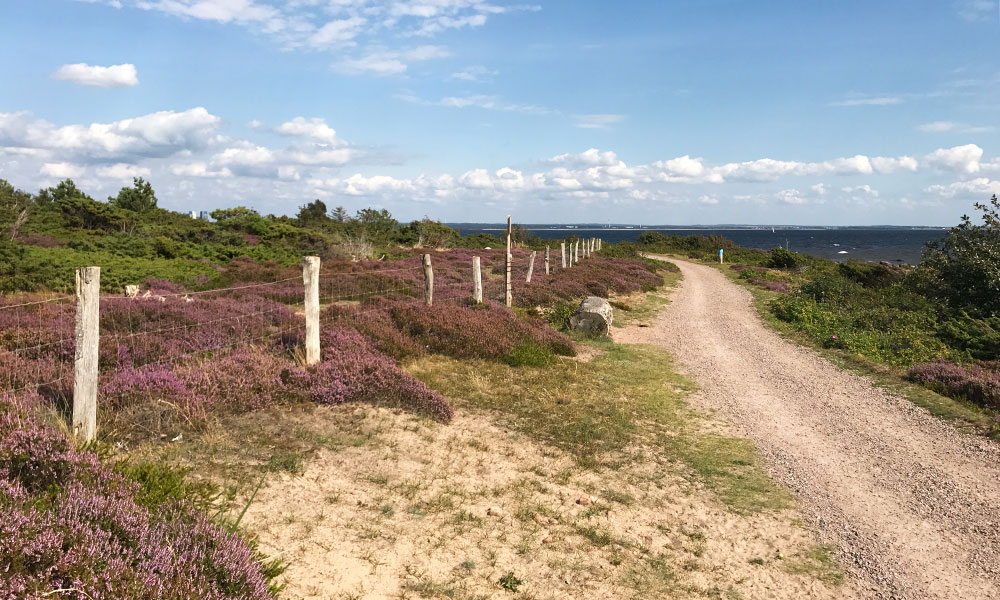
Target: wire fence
(145, 336)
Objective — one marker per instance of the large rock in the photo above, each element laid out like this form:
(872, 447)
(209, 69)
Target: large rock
(593, 317)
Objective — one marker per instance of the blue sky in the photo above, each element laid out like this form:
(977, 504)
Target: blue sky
(700, 111)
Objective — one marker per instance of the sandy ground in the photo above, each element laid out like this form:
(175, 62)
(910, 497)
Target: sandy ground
(912, 505)
(422, 510)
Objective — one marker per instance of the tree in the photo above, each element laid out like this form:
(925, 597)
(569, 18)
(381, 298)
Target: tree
(963, 269)
(64, 190)
(339, 215)
(314, 211)
(378, 225)
(15, 207)
(139, 198)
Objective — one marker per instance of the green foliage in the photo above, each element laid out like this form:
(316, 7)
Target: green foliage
(161, 483)
(378, 225)
(621, 250)
(529, 355)
(979, 338)
(139, 198)
(779, 258)
(560, 316)
(314, 211)
(510, 582)
(963, 269)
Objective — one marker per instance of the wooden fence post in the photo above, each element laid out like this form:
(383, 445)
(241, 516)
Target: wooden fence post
(531, 267)
(428, 280)
(509, 296)
(310, 277)
(477, 280)
(576, 252)
(562, 251)
(546, 260)
(88, 336)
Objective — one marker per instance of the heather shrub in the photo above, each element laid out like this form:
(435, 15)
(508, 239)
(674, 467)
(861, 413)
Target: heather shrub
(977, 383)
(352, 371)
(69, 522)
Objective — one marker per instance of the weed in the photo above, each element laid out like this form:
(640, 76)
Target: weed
(510, 582)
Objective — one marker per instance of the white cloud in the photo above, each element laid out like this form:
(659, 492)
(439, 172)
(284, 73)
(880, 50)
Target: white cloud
(62, 170)
(953, 127)
(819, 189)
(315, 128)
(598, 121)
(591, 157)
(115, 76)
(791, 197)
(154, 135)
(199, 169)
(392, 62)
(959, 158)
(981, 187)
(123, 171)
(978, 10)
(476, 73)
(483, 101)
(339, 32)
(869, 101)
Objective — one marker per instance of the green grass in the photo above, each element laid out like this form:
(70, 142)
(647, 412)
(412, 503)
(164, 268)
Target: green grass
(626, 397)
(817, 562)
(650, 304)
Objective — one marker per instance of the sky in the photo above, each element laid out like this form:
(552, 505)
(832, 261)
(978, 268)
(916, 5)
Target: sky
(645, 112)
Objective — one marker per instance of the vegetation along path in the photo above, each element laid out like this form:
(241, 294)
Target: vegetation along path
(912, 504)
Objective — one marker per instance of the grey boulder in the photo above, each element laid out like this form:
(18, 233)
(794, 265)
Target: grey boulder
(592, 317)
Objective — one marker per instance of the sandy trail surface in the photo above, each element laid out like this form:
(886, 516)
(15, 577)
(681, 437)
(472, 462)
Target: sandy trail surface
(911, 504)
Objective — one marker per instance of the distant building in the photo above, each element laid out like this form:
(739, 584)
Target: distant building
(193, 214)
(204, 216)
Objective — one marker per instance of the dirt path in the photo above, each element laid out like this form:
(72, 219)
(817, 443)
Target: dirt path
(912, 505)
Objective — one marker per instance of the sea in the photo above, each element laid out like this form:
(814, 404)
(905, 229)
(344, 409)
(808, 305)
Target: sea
(901, 245)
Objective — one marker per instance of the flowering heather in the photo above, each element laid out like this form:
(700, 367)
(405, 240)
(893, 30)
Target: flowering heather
(352, 370)
(977, 383)
(774, 286)
(70, 523)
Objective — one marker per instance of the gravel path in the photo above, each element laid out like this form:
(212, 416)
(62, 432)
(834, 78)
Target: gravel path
(912, 504)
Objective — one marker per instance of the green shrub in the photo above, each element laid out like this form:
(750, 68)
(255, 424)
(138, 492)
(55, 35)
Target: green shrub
(780, 258)
(560, 316)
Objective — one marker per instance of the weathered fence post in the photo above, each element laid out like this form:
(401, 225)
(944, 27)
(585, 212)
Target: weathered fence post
(477, 280)
(310, 277)
(531, 267)
(576, 252)
(562, 251)
(509, 296)
(546, 260)
(88, 335)
(428, 280)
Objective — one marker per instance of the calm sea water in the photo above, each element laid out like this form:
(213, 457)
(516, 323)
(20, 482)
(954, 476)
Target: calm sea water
(891, 244)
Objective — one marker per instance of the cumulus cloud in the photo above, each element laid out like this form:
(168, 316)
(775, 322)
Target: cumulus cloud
(980, 188)
(978, 10)
(115, 76)
(62, 170)
(959, 158)
(315, 128)
(123, 171)
(157, 134)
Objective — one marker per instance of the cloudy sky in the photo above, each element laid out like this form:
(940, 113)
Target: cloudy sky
(666, 111)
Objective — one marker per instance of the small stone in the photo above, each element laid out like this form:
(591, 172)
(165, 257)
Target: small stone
(547, 539)
(583, 500)
(541, 519)
(494, 512)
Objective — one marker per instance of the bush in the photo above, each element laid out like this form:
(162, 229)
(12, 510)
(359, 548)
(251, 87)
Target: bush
(976, 383)
(779, 258)
(67, 521)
